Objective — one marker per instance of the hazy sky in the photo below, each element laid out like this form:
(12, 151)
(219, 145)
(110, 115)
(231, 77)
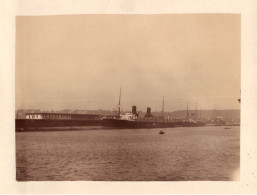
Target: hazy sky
(81, 61)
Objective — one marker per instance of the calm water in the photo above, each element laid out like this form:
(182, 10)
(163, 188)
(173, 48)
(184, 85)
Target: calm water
(204, 153)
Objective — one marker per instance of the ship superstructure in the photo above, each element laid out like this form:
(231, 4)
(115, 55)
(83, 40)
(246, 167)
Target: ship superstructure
(132, 120)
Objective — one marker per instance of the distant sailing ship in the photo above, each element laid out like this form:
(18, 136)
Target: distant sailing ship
(131, 120)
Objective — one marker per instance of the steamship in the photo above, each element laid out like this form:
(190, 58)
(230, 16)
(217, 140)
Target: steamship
(132, 120)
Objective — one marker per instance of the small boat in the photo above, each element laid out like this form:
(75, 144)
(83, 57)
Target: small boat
(161, 132)
(227, 128)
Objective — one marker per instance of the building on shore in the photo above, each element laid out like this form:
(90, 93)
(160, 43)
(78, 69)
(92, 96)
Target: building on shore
(62, 116)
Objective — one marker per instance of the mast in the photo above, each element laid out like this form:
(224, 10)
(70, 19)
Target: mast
(200, 114)
(163, 107)
(119, 103)
(187, 111)
(195, 111)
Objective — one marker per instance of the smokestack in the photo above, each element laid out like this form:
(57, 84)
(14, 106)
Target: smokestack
(134, 109)
(148, 111)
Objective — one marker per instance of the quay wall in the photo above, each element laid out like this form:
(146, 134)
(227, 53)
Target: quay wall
(23, 124)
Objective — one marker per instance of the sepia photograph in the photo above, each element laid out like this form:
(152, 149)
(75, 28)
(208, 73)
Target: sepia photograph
(128, 97)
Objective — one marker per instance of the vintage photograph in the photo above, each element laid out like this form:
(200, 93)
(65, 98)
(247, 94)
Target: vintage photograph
(128, 97)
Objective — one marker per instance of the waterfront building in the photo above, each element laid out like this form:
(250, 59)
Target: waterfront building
(62, 116)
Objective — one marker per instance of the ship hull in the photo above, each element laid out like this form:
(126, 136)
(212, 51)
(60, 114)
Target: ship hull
(116, 123)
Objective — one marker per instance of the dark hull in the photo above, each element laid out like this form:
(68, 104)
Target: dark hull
(116, 123)
(25, 124)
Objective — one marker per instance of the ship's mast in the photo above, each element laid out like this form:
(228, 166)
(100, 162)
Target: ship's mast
(119, 103)
(200, 114)
(195, 111)
(163, 107)
(187, 111)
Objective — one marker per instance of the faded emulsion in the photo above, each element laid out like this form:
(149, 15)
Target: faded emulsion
(124, 97)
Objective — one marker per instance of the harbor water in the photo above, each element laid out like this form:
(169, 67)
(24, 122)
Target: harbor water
(181, 154)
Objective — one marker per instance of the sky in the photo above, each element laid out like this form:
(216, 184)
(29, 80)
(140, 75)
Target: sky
(81, 61)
